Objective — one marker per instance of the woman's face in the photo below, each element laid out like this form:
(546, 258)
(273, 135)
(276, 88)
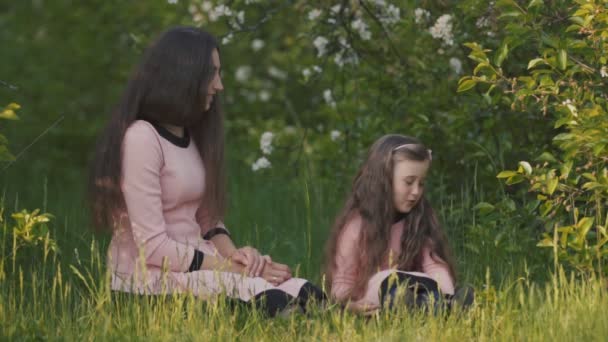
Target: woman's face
(215, 86)
(408, 183)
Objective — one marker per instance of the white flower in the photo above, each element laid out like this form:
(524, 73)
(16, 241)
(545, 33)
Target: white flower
(243, 73)
(443, 29)
(277, 73)
(257, 44)
(331, 21)
(240, 17)
(227, 39)
(266, 142)
(320, 43)
(306, 73)
(289, 130)
(421, 15)
(335, 135)
(482, 22)
(361, 27)
(456, 65)
(316, 68)
(329, 98)
(264, 95)
(380, 3)
(173, 2)
(261, 163)
(336, 8)
(393, 15)
(604, 72)
(207, 6)
(314, 14)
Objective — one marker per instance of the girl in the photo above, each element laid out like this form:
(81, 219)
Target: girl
(387, 233)
(157, 182)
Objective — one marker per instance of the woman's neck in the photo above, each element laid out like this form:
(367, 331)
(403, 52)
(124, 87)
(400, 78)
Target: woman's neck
(175, 130)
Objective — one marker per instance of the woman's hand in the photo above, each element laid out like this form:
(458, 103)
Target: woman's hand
(250, 258)
(363, 307)
(274, 272)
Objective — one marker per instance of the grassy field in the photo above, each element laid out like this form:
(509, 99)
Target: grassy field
(65, 296)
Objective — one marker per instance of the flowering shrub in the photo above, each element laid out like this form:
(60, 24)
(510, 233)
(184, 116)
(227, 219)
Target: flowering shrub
(562, 80)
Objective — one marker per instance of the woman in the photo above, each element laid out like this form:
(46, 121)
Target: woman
(158, 182)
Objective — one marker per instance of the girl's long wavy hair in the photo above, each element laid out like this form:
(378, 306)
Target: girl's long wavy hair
(371, 197)
(169, 86)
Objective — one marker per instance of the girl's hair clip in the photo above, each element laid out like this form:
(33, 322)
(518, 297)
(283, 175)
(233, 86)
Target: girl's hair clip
(429, 151)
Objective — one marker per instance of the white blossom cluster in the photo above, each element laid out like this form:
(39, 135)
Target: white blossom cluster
(206, 10)
(266, 147)
(243, 73)
(307, 72)
(456, 65)
(321, 44)
(257, 44)
(604, 72)
(261, 163)
(361, 27)
(277, 73)
(328, 97)
(266, 142)
(443, 29)
(387, 14)
(421, 16)
(314, 14)
(335, 135)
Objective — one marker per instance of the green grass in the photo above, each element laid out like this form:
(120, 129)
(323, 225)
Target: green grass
(65, 296)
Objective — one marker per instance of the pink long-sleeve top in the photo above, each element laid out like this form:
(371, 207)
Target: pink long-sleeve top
(162, 184)
(346, 263)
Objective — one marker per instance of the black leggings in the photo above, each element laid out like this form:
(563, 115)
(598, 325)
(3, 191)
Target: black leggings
(420, 292)
(270, 302)
(273, 301)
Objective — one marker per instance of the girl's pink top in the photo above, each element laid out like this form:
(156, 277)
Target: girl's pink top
(347, 266)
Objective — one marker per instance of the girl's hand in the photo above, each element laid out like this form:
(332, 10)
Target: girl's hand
(250, 258)
(274, 272)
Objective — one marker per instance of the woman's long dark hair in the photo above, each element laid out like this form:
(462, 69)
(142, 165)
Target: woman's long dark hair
(170, 87)
(371, 198)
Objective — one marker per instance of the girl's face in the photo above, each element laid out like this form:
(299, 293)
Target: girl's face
(215, 86)
(408, 183)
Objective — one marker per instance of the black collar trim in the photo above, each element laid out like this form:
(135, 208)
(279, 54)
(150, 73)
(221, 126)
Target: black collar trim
(182, 142)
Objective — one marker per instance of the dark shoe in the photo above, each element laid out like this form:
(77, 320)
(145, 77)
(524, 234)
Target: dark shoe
(463, 297)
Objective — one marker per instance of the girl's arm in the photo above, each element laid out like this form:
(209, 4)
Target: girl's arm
(437, 269)
(346, 260)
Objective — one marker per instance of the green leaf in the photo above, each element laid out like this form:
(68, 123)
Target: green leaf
(562, 59)
(466, 85)
(515, 179)
(506, 174)
(526, 166)
(512, 14)
(503, 51)
(546, 157)
(583, 226)
(484, 208)
(546, 242)
(534, 62)
(552, 185)
(535, 3)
